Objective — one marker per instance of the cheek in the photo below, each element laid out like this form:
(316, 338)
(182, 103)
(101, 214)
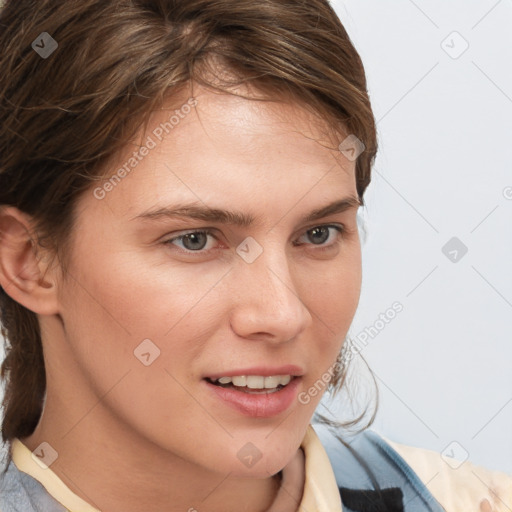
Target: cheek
(332, 294)
(134, 341)
(126, 292)
(145, 324)
(332, 298)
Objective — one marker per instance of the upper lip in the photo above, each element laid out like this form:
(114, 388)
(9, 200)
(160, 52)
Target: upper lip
(264, 371)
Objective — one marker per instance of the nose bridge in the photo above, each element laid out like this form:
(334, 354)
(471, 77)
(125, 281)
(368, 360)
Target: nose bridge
(268, 300)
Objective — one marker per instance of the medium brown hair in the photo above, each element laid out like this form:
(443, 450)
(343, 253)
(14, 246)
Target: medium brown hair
(63, 117)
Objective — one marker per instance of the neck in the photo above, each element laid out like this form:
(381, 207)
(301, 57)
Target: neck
(115, 470)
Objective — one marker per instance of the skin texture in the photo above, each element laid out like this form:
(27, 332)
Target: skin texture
(155, 436)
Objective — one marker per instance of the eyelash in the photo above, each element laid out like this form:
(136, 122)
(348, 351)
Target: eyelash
(321, 247)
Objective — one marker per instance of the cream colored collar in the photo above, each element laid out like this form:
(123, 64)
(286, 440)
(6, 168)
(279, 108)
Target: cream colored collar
(22, 458)
(320, 494)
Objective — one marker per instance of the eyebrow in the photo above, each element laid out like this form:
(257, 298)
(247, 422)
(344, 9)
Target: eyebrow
(196, 211)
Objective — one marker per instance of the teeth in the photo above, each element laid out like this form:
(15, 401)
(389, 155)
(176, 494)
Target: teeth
(239, 381)
(271, 382)
(256, 381)
(285, 379)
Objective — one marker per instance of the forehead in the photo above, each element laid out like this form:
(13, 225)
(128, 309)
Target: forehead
(217, 146)
(251, 119)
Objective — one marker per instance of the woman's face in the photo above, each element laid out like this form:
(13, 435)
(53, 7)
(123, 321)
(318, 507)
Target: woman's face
(244, 281)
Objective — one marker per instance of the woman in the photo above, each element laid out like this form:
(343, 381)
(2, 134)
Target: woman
(180, 262)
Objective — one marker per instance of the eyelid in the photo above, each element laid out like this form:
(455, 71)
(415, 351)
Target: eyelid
(182, 234)
(339, 227)
(340, 230)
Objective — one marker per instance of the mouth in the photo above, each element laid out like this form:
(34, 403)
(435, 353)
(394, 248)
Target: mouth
(253, 384)
(257, 396)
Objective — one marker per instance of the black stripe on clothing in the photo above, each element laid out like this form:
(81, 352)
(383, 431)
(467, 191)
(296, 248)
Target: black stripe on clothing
(367, 500)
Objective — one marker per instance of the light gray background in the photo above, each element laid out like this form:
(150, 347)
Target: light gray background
(443, 365)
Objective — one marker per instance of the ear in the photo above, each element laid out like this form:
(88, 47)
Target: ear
(24, 266)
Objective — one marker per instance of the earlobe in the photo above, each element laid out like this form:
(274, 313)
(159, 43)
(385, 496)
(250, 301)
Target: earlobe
(23, 275)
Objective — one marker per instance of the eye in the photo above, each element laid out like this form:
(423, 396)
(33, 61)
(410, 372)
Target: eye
(197, 241)
(320, 234)
(193, 241)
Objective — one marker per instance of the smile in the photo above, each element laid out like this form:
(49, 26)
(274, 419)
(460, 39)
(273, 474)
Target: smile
(256, 395)
(258, 383)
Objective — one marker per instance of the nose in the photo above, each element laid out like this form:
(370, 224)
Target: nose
(267, 302)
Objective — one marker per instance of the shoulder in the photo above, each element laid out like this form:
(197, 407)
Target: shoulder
(367, 469)
(459, 485)
(19, 492)
(423, 477)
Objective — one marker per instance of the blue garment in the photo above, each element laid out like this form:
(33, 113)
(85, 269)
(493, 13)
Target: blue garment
(20, 492)
(400, 488)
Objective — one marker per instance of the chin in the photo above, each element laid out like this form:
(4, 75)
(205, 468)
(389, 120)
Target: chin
(250, 462)
(260, 470)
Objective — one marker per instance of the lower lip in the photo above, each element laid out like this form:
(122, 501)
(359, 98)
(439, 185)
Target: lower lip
(258, 405)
